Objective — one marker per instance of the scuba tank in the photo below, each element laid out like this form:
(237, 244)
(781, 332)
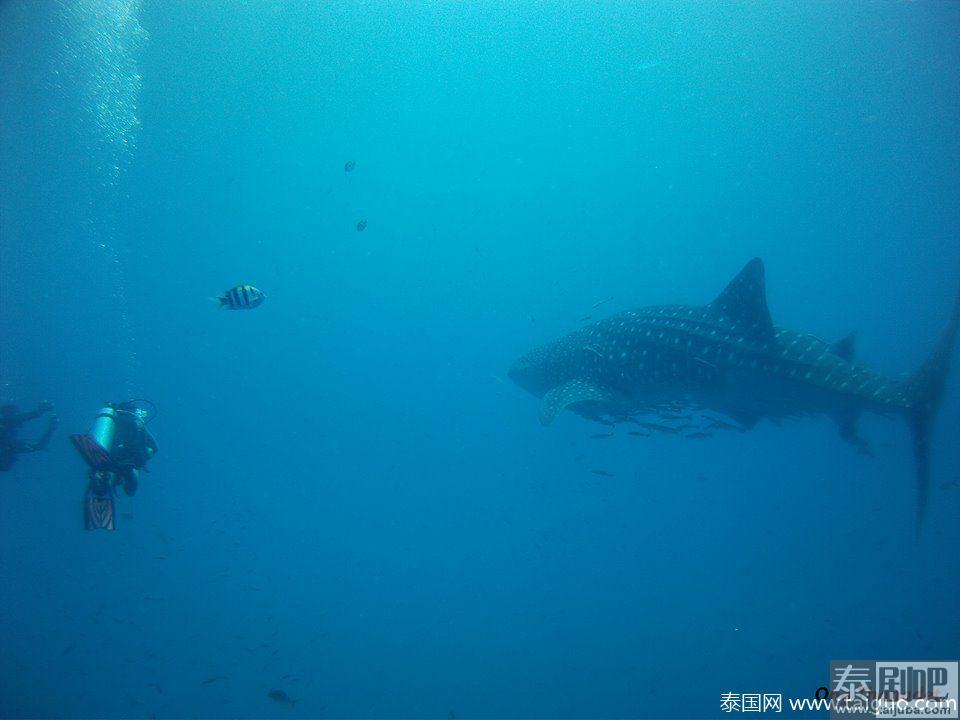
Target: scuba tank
(98, 447)
(105, 428)
(95, 447)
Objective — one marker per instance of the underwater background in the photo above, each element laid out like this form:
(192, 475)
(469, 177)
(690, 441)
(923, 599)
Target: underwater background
(351, 502)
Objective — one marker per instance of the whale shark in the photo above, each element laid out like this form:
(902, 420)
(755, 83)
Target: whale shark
(728, 357)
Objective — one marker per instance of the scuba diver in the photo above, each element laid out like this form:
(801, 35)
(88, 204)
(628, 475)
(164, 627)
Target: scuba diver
(116, 450)
(11, 420)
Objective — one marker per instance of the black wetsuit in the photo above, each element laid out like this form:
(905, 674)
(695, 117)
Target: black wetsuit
(10, 423)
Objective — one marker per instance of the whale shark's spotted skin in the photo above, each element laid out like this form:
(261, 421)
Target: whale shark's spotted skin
(727, 357)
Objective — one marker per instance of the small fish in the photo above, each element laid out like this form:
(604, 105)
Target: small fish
(660, 428)
(638, 434)
(349, 165)
(598, 303)
(601, 436)
(241, 297)
(586, 317)
(361, 225)
(721, 425)
(603, 473)
(212, 679)
(281, 697)
(699, 435)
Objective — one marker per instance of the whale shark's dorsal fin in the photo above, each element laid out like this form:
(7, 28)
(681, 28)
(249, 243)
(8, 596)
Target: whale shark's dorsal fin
(844, 347)
(570, 393)
(744, 301)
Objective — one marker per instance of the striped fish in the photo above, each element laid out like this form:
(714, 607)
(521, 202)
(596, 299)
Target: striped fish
(241, 297)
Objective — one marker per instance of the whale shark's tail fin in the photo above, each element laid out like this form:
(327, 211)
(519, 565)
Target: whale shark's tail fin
(925, 393)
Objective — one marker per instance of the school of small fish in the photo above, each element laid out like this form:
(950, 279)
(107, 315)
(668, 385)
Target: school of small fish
(669, 422)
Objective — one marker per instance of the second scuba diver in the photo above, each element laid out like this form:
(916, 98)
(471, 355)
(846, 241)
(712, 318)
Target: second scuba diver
(11, 420)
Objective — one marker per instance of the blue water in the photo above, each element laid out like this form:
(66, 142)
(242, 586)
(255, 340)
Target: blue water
(351, 502)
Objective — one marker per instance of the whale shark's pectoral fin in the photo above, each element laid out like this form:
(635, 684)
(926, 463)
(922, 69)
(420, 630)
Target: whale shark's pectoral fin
(570, 393)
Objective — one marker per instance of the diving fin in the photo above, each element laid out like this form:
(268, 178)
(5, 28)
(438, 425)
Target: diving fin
(91, 451)
(98, 511)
